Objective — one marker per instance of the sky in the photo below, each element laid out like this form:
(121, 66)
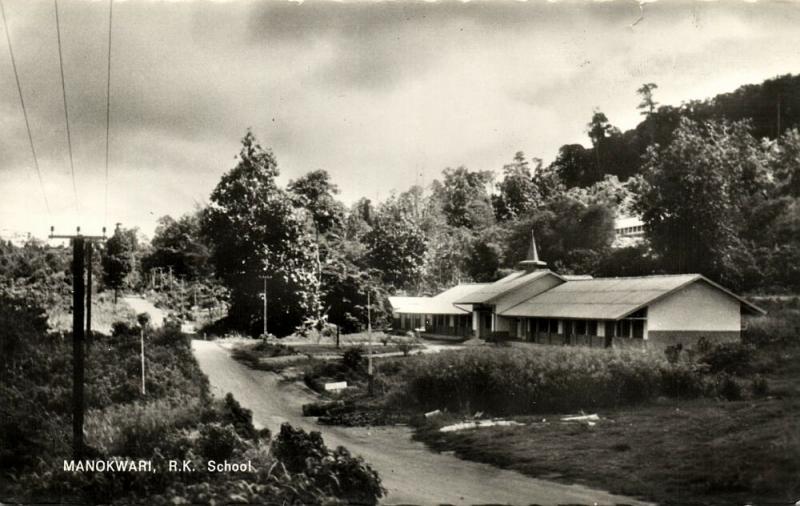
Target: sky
(382, 95)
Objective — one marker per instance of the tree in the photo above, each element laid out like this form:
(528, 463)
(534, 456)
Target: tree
(572, 236)
(117, 259)
(648, 104)
(315, 193)
(574, 166)
(598, 129)
(697, 195)
(518, 190)
(179, 244)
(256, 232)
(464, 198)
(396, 248)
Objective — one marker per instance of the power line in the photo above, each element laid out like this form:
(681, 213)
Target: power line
(66, 108)
(24, 110)
(108, 103)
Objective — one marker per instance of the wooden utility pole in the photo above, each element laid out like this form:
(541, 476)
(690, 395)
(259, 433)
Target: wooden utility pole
(81, 320)
(89, 249)
(266, 268)
(141, 340)
(77, 346)
(369, 337)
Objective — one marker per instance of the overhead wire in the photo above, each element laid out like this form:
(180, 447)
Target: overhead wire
(66, 109)
(24, 110)
(108, 105)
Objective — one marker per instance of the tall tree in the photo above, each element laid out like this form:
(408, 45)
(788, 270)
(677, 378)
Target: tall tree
(598, 129)
(179, 245)
(519, 193)
(317, 194)
(465, 198)
(118, 257)
(256, 232)
(697, 194)
(648, 104)
(396, 248)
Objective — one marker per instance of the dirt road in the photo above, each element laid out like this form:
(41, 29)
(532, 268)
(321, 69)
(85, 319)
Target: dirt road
(141, 305)
(411, 473)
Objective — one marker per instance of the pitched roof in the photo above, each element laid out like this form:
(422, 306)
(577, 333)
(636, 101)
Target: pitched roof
(490, 291)
(609, 298)
(442, 303)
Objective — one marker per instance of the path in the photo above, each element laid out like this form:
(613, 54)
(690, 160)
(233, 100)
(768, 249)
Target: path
(411, 473)
(141, 305)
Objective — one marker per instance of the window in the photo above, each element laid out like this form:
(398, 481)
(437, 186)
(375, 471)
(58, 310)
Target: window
(543, 326)
(592, 328)
(638, 329)
(580, 328)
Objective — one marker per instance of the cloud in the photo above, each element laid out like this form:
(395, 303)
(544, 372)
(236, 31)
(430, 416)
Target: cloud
(376, 93)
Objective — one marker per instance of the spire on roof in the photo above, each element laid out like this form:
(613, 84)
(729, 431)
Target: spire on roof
(532, 263)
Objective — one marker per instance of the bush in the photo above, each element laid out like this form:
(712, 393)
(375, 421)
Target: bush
(219, 442)
(759, 386)
(241, 419)
(353, 358)
(727, 387)
(522, 381)
(731, 358)
(673, 353)
(779, 328)
(338, 472)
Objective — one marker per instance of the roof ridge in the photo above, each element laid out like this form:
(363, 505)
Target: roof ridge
(634, 277)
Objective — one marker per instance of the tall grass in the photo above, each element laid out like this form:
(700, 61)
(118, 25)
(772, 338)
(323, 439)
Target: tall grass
(527, 381)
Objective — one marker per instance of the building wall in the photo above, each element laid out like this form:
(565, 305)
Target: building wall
(664, 338)
(698, 307)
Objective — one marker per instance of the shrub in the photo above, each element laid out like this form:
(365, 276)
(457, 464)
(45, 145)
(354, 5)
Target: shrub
(219, 442)
(731, 358)
(521, 381)
(673, 353)
(353, 358)
(241, 419)
(779, 328)
(759, 386)
(727, 387)
(338, 473)
(405, 347)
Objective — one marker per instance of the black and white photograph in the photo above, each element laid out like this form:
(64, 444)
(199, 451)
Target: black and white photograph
(400, 252)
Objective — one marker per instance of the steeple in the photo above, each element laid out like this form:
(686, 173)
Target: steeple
(532, 263)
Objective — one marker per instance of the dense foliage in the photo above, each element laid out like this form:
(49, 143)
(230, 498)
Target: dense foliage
(175, 420)
(717, 183)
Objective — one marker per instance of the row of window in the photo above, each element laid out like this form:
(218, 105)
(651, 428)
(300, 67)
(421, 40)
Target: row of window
(630, 230)
(632, 327)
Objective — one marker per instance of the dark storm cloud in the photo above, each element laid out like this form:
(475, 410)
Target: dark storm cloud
(373, 92)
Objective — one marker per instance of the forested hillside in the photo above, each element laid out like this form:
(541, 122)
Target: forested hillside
(716, 182)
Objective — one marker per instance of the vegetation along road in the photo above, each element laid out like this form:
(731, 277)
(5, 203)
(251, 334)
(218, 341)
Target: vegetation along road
(410, 472)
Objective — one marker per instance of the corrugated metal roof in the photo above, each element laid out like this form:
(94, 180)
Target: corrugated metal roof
(610, 298)
(600, 299)
(502, 286)
(442, 303)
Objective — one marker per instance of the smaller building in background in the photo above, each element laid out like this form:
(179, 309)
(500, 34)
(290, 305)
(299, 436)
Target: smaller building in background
(628, 231)
(438, 315)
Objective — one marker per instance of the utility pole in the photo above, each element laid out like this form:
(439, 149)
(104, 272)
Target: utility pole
(89, 248)
(80, 321)
(266, 267)
(369, 337)
(141, 341)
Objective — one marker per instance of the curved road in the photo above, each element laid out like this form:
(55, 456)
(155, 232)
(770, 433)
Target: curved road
(411, 473)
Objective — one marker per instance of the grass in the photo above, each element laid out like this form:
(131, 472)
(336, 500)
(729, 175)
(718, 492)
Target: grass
(104, 314)
(684, 453)
(699, 451)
